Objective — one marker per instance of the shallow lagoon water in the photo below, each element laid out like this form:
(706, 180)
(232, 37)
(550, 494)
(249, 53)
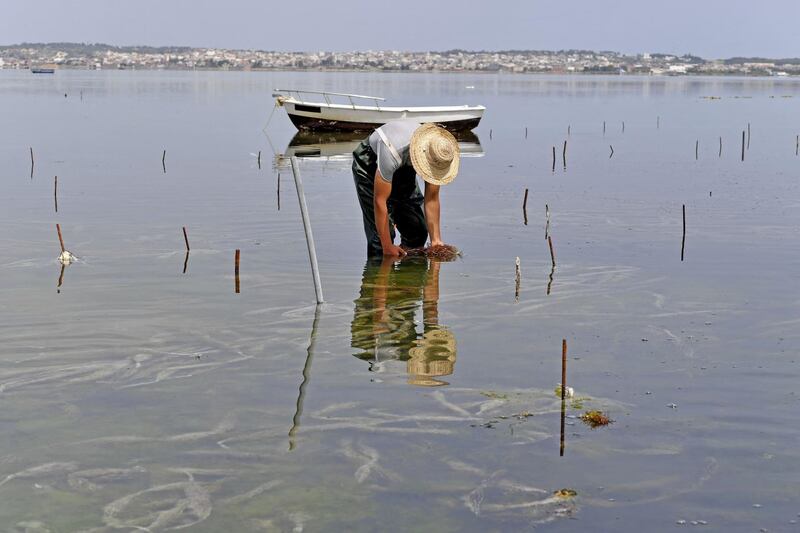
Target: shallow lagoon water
(420, 396)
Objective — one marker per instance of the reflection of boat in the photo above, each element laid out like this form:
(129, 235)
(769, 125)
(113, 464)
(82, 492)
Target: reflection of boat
(329, 116)
(339, 146)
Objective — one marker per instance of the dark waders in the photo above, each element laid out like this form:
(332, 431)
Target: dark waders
(404, 205)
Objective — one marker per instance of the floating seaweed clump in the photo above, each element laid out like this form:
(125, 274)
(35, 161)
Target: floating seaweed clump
(569, 392)
(595, 419)
(565, 493)
(441, 252)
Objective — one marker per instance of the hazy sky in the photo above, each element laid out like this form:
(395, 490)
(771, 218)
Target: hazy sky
(709, 28)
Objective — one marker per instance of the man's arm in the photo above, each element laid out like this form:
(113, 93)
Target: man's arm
(381, 191)
(432, 209)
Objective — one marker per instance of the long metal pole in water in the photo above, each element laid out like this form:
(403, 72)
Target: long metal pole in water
(312, 251)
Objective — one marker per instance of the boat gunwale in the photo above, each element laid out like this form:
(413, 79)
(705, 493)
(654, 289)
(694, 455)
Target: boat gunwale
(385, 109)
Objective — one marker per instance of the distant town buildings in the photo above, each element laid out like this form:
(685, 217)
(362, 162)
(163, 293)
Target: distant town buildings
(100, 56)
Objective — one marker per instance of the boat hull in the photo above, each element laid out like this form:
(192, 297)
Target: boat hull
(304, 123)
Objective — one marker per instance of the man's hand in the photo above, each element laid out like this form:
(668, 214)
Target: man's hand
(393, 251)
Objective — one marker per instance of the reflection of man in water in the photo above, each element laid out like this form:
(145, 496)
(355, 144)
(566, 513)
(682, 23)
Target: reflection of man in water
(384, 326)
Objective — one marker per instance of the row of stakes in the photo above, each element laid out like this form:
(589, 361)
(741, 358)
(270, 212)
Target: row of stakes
(67, 257)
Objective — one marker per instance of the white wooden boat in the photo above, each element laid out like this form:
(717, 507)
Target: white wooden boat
(328, 116)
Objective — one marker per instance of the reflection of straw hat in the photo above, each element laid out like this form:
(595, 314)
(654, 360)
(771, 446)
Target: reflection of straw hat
(434, 355)
(434, 154)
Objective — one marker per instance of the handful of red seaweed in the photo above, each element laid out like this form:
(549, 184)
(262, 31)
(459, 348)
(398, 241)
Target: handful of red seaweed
(440, 252)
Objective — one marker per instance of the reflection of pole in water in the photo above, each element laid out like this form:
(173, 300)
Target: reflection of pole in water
(547, 221)
(55, 192)
(563, 391)
(748, 135)
(553, 267)
(61, 278)
(517, 278)
(164, 161)
(301, 396)
(525, 207)
(31, 148)
(554, 158)
(743, 145)
(279, 191)
(186, 261)
(259, 160)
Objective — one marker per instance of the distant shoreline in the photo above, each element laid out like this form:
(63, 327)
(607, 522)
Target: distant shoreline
(416, 72)
(105, 57)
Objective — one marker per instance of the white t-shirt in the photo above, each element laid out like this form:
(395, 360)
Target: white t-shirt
(398, 133)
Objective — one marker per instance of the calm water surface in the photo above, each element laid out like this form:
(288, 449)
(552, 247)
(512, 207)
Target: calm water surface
(137, 396)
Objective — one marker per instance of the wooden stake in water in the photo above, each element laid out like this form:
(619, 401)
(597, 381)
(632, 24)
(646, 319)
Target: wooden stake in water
(312, 251)
(259, 160)
(31, 148)
(720, 146)
(743, 145)
(797, 145)
(612, 152)
(236, 270)
(55, 192)
(60, 238)
(164, 161)
(696, 149)
(563, 392)
(525, 207)
(623, 126)
(490, 135)
(552, 254)
(683, 239)
(554, 158)
(186, 239)
(658, 122)
(604, 127)
(569, 130)
(564, 155)
(517, 278)
(526, 132)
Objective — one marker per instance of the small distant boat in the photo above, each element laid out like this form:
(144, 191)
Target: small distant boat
(42, 70)
(328, 116)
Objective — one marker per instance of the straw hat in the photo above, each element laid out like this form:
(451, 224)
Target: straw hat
(434, 154)
(433, 356)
